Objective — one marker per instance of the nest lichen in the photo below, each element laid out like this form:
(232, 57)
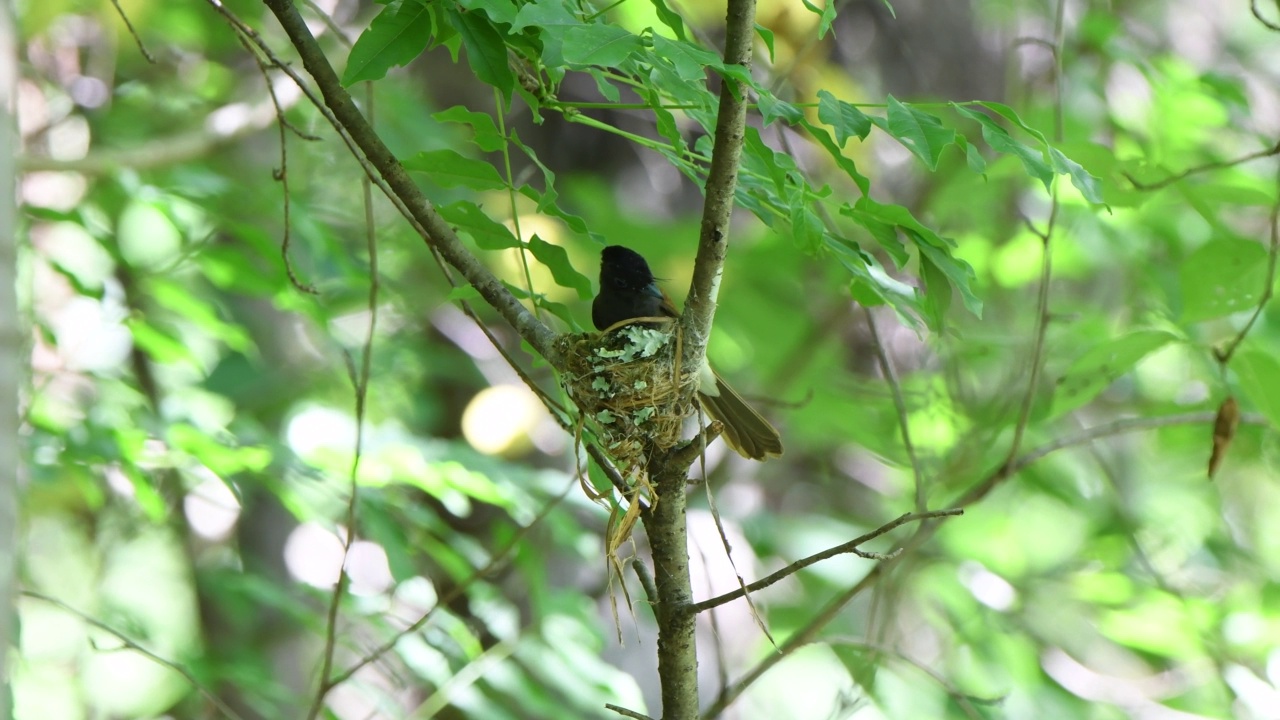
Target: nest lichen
(628, 383)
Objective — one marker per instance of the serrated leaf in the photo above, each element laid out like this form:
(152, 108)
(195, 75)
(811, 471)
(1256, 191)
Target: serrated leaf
(400, 33)
(847, 120)
(1259, 375)
(563, 271)
(484, 132)
(603, 45)
(918, 131)
(450, 169)
(486, 51)
(488, 234)
(1098, 367)
(1222, 277)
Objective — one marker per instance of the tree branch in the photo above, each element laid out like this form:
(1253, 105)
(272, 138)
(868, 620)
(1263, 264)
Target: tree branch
(439, 235)
(722, 182)
(849, 547)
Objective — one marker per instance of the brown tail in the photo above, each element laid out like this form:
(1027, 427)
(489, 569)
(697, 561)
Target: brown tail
(745, 430)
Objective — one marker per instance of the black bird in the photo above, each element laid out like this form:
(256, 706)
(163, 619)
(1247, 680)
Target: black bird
(628, 290)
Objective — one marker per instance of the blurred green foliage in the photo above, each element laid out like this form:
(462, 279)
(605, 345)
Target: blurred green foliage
(191, 424)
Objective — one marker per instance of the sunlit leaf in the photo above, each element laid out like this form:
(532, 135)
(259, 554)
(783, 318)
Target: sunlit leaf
(1222, 277)
(1099, 366)
(1259, 374)
(557, 260)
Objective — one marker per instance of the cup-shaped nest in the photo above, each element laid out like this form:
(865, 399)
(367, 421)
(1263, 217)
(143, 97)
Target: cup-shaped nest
(628, 384)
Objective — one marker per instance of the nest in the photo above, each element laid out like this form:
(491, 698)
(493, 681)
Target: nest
(630, 388)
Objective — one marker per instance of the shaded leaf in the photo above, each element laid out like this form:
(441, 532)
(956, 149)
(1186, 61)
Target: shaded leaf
(604, 45)
(847, 120)
(488, 234)
(1222, 277)
(557, 260)
(450, 169)
(486, 52)
(484, 131)
(395, 37)
(1259, 375)
(1098, 367)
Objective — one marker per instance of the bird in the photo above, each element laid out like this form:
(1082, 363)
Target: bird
(628, 290)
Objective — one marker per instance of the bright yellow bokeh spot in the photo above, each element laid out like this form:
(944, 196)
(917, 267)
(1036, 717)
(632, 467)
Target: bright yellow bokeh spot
(498, 419)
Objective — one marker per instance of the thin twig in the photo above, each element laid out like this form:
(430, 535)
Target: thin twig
(1207, 167)
(217, 702)
(360, 381)
(926, 530)
(899, 404)
(439, 234)
(964, 700)
(626, 713)
(1224, 356)
(842, 549)
(128, 25)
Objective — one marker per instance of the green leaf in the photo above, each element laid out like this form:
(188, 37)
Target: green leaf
(1259, 375)
(1001, 141)
(690, 61)
(557, 260)
(826, 15)
(499, 11)
(607, 89)
(395, 37)
(844, 117)
(918, 131)
(824, 138)
(604, 45)
(488, 234)
(1088, 185)
(1222, 277)
(463, 292)
(956, 270)
(484, 131)
(1099, 366)
(486, 51)
(771, 108)
(551, 19)
(937, 297)
(672, 19)
(767, 36)
(450, 169)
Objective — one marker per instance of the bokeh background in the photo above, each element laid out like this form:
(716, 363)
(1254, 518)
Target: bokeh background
(189, 422)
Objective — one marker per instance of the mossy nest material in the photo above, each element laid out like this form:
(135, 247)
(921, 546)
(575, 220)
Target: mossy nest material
(625, 382)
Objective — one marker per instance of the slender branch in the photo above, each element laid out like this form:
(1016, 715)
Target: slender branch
(625, 712)
(664, 520)
(438, 233)
(722, 181)
(899, 404)
(129, 26)
(190, 677)
(1207, 167)
(844, 548)
(360, 382)
(1224, 356)
(926, 531)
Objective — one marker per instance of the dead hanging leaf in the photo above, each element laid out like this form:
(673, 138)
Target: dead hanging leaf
(1224, 431)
